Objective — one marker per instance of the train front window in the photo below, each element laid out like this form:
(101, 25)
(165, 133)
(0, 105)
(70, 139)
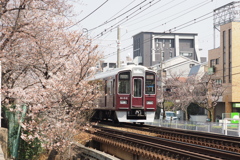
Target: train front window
(124, 83)
(150, 83)
(137, 87)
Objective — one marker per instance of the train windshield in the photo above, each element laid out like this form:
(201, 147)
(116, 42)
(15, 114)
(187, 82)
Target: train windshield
(124, 83)
(150, 83)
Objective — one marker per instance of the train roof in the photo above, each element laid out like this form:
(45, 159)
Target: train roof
(115, 71)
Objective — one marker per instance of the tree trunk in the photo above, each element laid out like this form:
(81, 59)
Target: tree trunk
(186, 115)
(164, 116)
(211, 111)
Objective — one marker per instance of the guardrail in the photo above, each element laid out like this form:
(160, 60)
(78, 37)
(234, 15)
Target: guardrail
(222, 127)
(234, 127)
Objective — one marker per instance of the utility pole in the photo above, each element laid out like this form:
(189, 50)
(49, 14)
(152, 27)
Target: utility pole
(118, 47)
(161, 78)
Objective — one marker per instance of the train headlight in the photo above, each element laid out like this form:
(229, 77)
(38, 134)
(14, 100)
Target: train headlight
(149, 102)
(123, 102)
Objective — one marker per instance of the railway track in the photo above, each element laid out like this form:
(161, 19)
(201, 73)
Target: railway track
(155, 146)
(183, 143)
(218, 141)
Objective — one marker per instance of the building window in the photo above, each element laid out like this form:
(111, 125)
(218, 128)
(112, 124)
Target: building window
(224, 40)
(224, 55)
(186, 54)
(212, 62)
(163, 44)
(230, 37)
(191, 65)
(112, 65)
(186, 43)
(217, 61)
(230, 73)
(170, 54)
(224, 74)
(171, 43)
(224, 58)
(230, 55)
(218, 81)
(157, 43)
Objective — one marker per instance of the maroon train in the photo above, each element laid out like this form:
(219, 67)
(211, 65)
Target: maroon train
(128, 94)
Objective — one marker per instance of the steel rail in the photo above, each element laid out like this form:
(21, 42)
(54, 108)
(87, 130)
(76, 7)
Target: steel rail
(174, 145)
(218, 141)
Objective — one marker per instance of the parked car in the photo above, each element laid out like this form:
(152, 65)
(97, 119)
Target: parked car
(169, 116)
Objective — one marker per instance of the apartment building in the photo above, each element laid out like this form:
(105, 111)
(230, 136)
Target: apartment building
(150, 47)
(224, 60)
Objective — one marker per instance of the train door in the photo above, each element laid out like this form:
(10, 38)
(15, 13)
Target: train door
(113, 90)
(105, 85)
(137, 92)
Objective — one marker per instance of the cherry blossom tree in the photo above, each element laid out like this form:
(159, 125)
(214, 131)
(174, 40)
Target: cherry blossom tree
(207, 92)
(204, 90)
(179, 92)
(45, 66)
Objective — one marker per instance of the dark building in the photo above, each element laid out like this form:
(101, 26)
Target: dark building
(147, 47)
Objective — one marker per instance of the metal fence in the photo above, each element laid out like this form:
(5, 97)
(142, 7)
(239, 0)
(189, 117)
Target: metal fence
(225, 127)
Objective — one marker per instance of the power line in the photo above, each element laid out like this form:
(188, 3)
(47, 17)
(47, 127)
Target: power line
(88, 14)
(126, 19)
(197, 6)
(192, 22)
(117, 16)
(175, 5)
(176, 28)
(192, 9)
(122, 9)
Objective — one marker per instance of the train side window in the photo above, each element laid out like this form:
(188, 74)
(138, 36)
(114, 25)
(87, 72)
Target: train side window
(150, 83)
(124, 83)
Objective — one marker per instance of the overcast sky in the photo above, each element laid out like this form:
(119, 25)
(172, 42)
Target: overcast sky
(101, 18)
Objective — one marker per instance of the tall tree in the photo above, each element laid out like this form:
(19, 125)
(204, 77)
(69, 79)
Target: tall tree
(45, 66)
(207, 92)
(179, 92)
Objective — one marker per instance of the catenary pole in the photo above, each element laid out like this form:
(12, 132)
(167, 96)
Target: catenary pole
(118, 46)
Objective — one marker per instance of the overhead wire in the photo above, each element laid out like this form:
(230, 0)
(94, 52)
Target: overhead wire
(118, 16)
(126, 18)
(191, 9)
(88, 14)
(195, 21)
(174, 5)
(176, 29)
(197, 6)
(187, 23)
(121, 10)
